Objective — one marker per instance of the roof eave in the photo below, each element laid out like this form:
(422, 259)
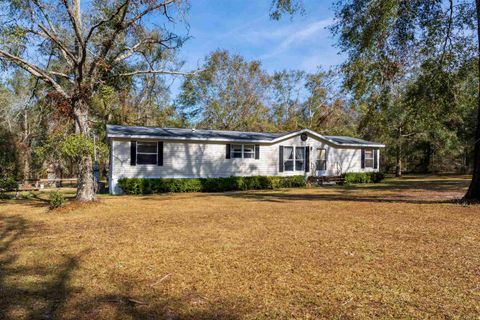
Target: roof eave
(278, 139)
(313, 133)
(185, 138)
(361, 145)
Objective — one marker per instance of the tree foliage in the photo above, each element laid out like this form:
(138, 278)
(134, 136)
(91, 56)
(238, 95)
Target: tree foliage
(406, 69)
(234, 94)
(77, 49)
(229, 93)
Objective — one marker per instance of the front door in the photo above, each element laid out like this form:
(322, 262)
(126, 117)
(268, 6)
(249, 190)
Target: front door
(321, 162)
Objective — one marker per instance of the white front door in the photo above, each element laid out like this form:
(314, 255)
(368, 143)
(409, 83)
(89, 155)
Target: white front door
(320, 162)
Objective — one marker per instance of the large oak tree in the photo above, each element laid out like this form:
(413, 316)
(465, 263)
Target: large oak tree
(75, 48)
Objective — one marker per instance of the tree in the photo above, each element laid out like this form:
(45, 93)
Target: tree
(75, 49)
(473, 192)
(228, 94)
(300, 100)
(390, 44)
(325, 109)
(287, 91)
(21, 115)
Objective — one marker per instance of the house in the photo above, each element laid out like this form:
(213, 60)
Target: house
(150, 152)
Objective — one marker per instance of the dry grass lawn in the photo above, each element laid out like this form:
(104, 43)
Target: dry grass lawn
(402, 249)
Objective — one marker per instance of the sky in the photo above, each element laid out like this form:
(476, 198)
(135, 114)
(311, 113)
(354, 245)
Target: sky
(301, 42)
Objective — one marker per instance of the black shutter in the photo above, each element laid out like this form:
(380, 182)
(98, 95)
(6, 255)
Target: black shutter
(227, 154)
(326, 158)
(375, 159)
(363, 159)
(280, 159)
(307, 159)
(133, 153)
(160, 153)
(257, 151)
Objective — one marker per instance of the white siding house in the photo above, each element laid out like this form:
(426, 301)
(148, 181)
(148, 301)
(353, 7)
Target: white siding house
(147, 152)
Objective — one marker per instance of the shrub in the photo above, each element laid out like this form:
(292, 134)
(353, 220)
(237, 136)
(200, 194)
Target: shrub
(363, 177)
(292, 182)
(29, 195)
(356, 177)
(377, 177)
(152, 185)
(8, 184)
(56, 200)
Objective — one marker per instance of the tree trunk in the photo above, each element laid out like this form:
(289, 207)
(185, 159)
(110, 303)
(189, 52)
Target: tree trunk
(86, 184)
(398, 166)
(473, 192)
(26, 166)
(398, 155)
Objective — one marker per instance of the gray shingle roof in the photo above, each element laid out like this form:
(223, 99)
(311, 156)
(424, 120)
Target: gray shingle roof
(128, 131)
(118, 131)
(350, 140)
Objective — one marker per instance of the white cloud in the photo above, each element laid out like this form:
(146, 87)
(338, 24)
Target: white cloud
(310, 63)
(297, 35)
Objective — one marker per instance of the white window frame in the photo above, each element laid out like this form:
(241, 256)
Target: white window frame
(232, 152)
(252, 153)
(303, 159)
(324, 160)
(372, 158)
(294, 148)
(150, 153)
(285, 160)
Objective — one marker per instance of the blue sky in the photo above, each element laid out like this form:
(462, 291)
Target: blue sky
(244, 27)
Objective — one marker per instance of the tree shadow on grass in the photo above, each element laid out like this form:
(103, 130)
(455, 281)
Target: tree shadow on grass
(390, 191)
(29, 292)
(120, 306)
(42, 290)
(421, 185)
(37, 200)
(280, 197)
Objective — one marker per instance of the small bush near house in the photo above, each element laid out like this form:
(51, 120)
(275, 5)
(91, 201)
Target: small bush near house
(377, 177)
(8, 184)
(148, 186)
(56, 200)
(29, 195)
(363, 177)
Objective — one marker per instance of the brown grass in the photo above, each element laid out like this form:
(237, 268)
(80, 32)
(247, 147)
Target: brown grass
(402, 249)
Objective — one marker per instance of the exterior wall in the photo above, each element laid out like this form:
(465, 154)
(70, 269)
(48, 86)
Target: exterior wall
(193, 159)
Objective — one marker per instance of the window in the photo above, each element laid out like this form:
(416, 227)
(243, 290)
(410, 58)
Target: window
(246, 151)
(249, 151)
(293, 158)
(369, 158)
(299, 158)
(147, 153)
(236, 150)
(321, 159)
(288, 163)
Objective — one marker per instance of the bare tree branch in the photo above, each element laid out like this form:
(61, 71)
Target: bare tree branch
(60, 74)
(109, 42)
(100, 23)
(75, 23)
(121, 26)
(449, 32)
(130, 51)
(147, 11)
(34, 70)
(140, 72)
(51, 26)
(58, 43)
